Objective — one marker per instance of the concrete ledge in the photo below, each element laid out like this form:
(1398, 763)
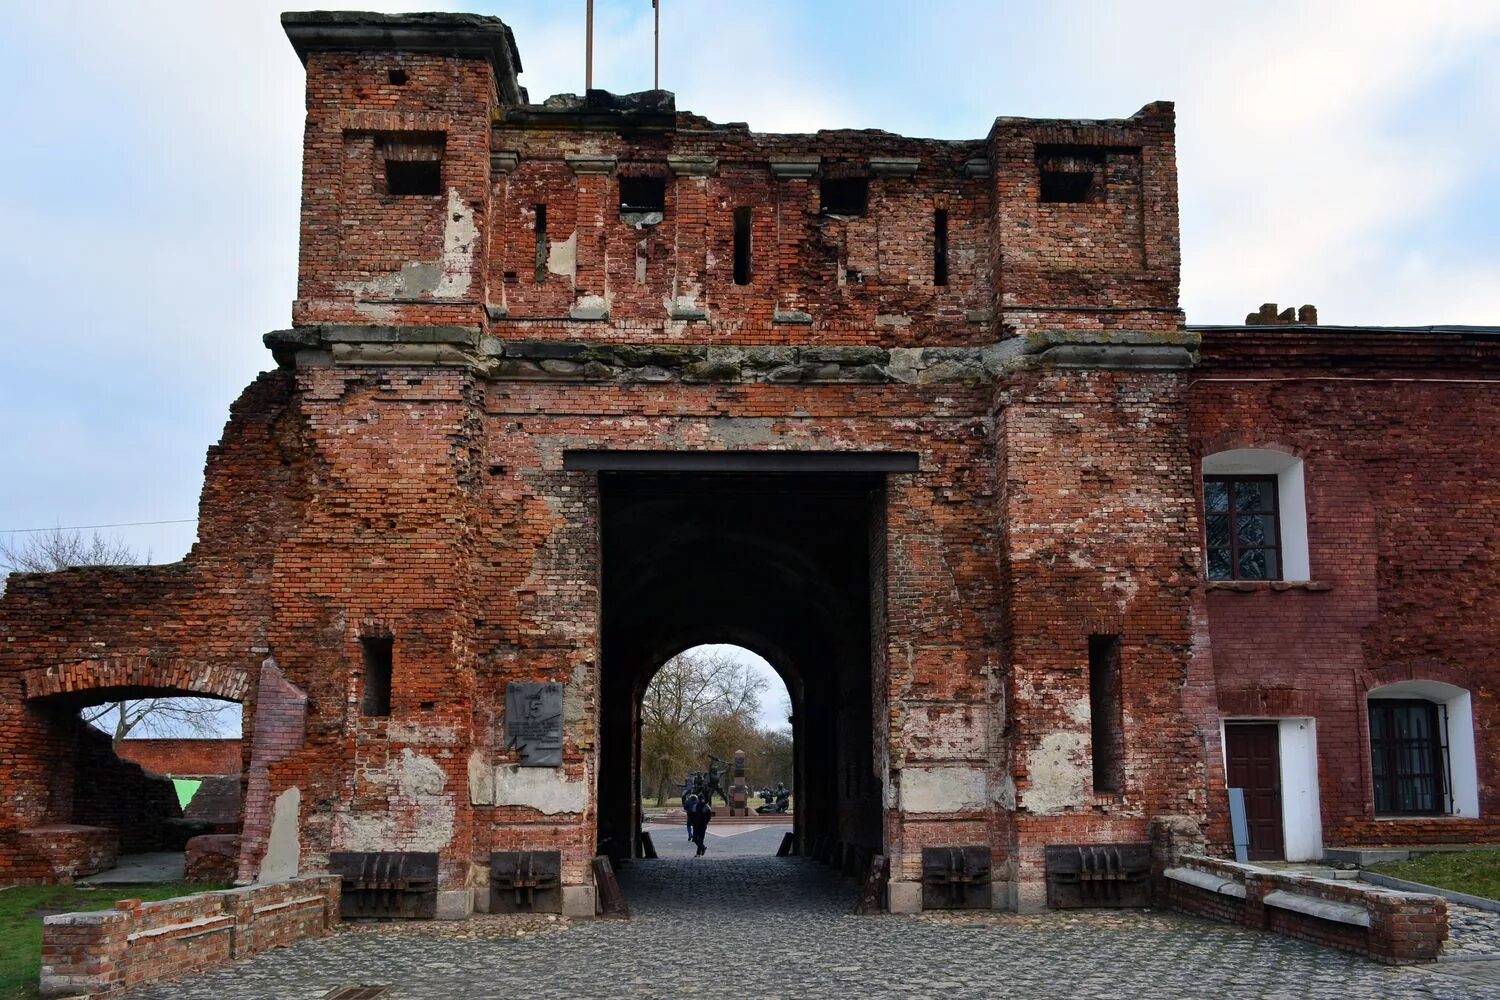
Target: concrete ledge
(795, 169)
(590, 164)
(904, 897)
(1323, 909)
(454, 904)
(693, 166)
(1206, 880)
(894, 166)
(579, 901)
(1386, 881)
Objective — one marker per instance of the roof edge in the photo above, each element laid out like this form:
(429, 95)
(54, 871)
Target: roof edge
(476, 35)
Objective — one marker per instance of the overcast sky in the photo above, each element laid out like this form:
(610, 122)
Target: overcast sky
(1343, 154)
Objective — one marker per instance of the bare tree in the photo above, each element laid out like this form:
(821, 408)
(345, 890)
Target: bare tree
(178, 717)
(58, 548)
(693, 696)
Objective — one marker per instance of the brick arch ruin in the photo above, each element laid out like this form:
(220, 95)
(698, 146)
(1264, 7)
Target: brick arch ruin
(126, 674)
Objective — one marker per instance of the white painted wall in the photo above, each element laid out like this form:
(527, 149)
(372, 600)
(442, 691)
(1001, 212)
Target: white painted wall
(1463, 774)
(1291, 498)
(1301, 813)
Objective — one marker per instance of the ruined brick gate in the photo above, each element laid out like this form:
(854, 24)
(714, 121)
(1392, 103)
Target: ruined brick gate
(574, 386)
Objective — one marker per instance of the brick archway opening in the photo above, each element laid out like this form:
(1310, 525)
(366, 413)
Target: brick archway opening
(769, 747)
(99, 804)
(790, 565)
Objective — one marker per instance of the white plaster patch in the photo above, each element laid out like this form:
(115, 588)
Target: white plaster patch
(1005, 792)
(1059, 774)
(545, 789)
(419, 776)
(284, 847)
(481, 780)
(1079, 710)
(418, 784)
(401, 731)
(943, 790)
(460, 236)
(947, 733)
(575, 710)
(562, 258)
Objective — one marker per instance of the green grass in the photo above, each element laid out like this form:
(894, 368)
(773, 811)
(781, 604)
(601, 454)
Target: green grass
(1474, 872)
(21, 923)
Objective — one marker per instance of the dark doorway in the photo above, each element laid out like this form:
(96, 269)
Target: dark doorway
(786, 564)
(1254, 757)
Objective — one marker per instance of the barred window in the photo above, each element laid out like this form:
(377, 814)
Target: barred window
(1406, 757)
(1241, 519)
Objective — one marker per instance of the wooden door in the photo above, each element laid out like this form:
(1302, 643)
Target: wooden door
(1252, 749)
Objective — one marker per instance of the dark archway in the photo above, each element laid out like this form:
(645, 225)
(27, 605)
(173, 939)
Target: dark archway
(779, 563)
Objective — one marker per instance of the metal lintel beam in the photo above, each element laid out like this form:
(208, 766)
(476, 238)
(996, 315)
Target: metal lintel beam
(739, 461)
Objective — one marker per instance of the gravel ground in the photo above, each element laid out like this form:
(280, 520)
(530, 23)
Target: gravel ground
(780, 928)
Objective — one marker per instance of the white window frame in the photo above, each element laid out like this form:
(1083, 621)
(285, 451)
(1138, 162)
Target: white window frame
(1462, 771)
(1291, 500)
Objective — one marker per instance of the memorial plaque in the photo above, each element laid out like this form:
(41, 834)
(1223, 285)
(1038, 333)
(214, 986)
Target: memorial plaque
(533, 723)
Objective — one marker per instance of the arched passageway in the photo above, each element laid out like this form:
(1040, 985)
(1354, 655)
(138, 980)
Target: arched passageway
(788, 565)
(99, 804)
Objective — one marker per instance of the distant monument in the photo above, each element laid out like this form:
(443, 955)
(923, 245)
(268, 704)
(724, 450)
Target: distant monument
(739, 790)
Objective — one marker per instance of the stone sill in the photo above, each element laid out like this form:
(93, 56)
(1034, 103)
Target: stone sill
(1262, 586)
(1433, 818)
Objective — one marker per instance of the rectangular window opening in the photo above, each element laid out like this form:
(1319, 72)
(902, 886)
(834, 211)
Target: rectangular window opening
(643, 194)
(541, 243)
(846, 196)
(1407, 738)
(742, 246)
(377, 649)
(1065, 186)
(1070, 174)
(1106, 714)
(1242, 527)
(413, 177)
(940, 247)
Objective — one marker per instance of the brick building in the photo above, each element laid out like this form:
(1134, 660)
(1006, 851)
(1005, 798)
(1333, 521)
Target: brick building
(573, 386)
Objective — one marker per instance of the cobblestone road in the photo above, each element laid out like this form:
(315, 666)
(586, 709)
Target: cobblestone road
(767, 927)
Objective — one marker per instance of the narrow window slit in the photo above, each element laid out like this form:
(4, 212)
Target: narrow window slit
(377, 650)
(1106, 715)
(397, 77)
(940, 247)
(541, 243)
(742, 246)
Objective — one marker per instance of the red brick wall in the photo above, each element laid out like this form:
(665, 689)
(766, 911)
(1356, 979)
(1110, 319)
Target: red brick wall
(109, 792)
(108, 952)
(1395, 433)
(1404, 927)
(184, 758)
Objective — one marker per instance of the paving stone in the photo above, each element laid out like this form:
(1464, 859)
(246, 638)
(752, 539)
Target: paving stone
(781, 928)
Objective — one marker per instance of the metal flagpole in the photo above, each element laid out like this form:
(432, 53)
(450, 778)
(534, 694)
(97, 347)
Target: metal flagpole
(656, 6)
(588, 51)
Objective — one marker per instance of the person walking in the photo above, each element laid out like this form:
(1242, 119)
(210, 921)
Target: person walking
(698, 821)
(689, 805)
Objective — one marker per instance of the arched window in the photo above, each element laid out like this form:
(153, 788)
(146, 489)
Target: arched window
(1422, 750)
(1254, 516)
